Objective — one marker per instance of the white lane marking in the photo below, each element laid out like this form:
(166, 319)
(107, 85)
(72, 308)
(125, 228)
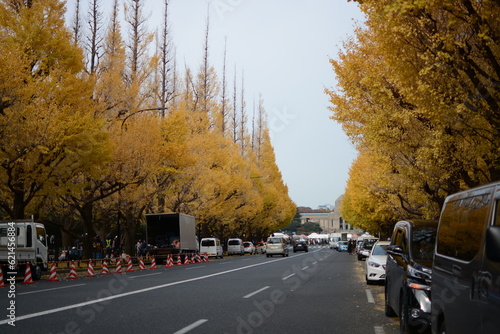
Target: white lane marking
(379, 329)
(192, 326)
(305, 268)
(194, 267)
(130, 293)
(369, 296)
(63, 287)
(287, 277)
(256, 292)
(145, 275)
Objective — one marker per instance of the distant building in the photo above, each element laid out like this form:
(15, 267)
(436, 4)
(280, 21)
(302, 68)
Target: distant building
(330, 222)
(327, 207)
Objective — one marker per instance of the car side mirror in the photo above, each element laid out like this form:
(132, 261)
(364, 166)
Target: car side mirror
(493, 243)
(395, 250)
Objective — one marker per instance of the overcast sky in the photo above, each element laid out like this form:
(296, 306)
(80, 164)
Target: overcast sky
(283, 47)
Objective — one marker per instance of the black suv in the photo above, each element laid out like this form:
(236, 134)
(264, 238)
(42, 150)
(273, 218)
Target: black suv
(300, 245)
(408, 275)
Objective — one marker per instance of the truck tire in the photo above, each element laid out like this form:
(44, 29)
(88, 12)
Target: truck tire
(36, 271)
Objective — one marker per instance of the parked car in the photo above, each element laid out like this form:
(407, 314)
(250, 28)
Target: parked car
(211, 247)
(261, 247)
(376, 262)
(276, 246)
(408, 274)
(466, 268)
(248, 247)
(235, 246)
(342, 246)
(364, 249)
(300, 245)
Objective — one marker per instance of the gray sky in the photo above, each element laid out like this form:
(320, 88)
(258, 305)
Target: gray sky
(283, 48)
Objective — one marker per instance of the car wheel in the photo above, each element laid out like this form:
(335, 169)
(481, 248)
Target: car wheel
(389, 312)
(360, 258)
(442, 328)
(404, 314)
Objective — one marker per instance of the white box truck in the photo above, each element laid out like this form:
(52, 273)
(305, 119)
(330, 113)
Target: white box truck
(23, 242)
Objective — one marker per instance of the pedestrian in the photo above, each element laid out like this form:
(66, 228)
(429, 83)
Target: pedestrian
(97, 248)
(108, 247)
(138, 247)
(349, 247)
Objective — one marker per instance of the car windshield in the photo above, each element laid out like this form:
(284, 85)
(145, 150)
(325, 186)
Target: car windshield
(274, 240)
(208, 243)
(380, 250)
(367, 245)
(233, 242)
(422, 243)
(246, 244)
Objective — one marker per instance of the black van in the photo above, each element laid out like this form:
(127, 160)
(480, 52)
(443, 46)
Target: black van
(466, 272)
(408, 274)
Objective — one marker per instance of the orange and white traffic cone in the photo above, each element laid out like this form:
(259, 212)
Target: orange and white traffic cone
(90, 270)
(72, 272)
(193, 258)
(53, 273)
(105, 270)
(198, 258)
(28, 279)
(130, 265)
(205, 256)
(186, 259)
(2, 284)
(118, 266)
(153, 263)
(170, 262)
(141, 264)
(179, 262)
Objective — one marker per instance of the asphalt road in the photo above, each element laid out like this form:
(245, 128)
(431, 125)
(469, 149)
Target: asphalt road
(321, 291)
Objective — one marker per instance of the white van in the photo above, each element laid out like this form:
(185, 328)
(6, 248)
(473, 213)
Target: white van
(235, 246)
(211, 247)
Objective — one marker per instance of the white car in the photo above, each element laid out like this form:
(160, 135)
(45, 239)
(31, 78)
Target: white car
(376, 262)
(248, 247)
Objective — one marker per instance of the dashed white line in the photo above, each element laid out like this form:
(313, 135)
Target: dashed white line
(63, 287)
(379, 329)
(256, 292)
(192, 326)
(369, 296)
(145, 275)
(287, 277)
(305, 268)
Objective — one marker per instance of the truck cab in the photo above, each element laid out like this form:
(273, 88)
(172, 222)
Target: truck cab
(23, 242)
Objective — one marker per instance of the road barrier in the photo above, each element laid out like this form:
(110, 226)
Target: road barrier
(75, 266)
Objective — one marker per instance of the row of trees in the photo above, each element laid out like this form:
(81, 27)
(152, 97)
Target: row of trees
(98, 128)
(419, 95)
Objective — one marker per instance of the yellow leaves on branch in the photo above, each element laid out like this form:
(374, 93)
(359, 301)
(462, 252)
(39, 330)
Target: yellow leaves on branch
(419, 87)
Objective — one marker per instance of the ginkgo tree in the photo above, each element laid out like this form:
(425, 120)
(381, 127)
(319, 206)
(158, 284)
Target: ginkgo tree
(418, 88)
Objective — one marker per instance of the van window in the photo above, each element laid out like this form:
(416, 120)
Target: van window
(422, 243)
(274, 241)
(461, 227)
(208, 243)
(234, 242)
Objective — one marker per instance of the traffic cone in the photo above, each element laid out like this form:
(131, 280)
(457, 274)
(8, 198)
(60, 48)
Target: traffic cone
(2, 284)
(53, 274)
(118, 266)
(141, 264)
(170, 262)
(205, 257)
(198, 258)
(179, 262)
(72, 272)
(153, 263)
(27, 275)
(90, 270)
(193, 258)
(105, 270)
(186, 259)
(130, 265)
